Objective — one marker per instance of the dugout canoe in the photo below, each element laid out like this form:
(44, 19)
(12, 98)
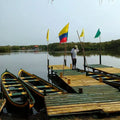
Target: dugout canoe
(16, 94)
(38, 85)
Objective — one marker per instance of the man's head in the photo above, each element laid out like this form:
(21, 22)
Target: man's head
(76, 47)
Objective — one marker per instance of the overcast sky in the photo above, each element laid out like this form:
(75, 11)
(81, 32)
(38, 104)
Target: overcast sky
(25, 22)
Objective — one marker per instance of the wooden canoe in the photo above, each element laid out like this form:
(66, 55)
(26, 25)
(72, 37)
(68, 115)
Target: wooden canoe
(38, 85)
(16, 94)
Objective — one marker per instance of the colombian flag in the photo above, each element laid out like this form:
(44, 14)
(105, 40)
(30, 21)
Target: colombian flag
(63, 34)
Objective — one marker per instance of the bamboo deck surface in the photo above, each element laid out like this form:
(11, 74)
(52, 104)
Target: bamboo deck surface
(96, 95)
(2, 104)
(58, 67)
(80, 80)
(74, 108)
(104, 68)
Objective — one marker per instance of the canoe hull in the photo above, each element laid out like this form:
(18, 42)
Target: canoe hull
(16, 93)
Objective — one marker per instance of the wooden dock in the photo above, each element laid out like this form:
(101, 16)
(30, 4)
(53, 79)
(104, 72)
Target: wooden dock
(91, 94)
(109, 70)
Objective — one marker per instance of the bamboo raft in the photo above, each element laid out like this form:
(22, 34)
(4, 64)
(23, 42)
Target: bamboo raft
(91, 94)
(108, 70)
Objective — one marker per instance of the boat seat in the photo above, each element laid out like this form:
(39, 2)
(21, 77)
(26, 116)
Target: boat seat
(14, 89)
(11, 82)
(17, 94)
(48, 90)
(9, 79)
(29, 77)
(31, 80)
(13, 85)
(53, 93)
(42, 87)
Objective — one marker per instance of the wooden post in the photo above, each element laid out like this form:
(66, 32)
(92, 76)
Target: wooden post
(52, 71)
(100, 59)
(69, 81)
(100, 52)
(84, 64)
(85, 61)
(61, 75)
(70, 66)
(100, 79)
(44, 92)
(87, 73)
(65, 62)
(48, 68)
(65, 55)
(80, 90)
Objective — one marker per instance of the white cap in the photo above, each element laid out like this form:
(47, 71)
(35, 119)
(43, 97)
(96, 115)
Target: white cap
(76, 46)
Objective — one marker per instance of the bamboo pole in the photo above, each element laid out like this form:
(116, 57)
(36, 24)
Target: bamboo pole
(64, 62)
(47, 61)
(100, 51)
(83, 52)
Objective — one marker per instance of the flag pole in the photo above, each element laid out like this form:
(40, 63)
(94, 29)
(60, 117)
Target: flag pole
(96, 36)
(100, 51)
(63, 35)
(64, 63)
(83, 51)
(47, 50)
(47, 37)
(65, 55)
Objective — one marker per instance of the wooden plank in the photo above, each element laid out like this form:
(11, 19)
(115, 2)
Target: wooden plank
(110, 70)
(68, 109)
(68, 72)
(81, 80)
(13, 85)
(9, 79)
(25, 78)
(11, 82)
(12, 89)
(66, 99)
(16, 94)
(32, 80)
(58, 67)
(105, 68)
(98, 66)
(96, 94)
(42, 87)
(2, 104)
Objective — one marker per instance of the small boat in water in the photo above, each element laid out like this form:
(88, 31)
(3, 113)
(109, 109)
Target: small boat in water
(16, 94)
(38, 85)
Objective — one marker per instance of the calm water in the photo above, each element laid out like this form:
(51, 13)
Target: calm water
(36, 63)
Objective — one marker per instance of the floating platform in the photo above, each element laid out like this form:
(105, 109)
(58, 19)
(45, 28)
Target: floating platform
(108, 74)
(109, 70)
(90, 94)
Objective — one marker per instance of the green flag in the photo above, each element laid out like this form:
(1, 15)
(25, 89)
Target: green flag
(98, 33)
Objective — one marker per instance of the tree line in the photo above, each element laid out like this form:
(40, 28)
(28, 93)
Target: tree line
(113, 45)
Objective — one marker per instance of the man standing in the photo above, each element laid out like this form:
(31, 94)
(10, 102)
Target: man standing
(74, 56)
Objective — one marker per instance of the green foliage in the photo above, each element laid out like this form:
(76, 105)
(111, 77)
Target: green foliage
(15, 47)
(113, 45)
(5, 49)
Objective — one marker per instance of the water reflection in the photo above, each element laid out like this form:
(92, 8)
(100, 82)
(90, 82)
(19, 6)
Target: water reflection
(88, 53)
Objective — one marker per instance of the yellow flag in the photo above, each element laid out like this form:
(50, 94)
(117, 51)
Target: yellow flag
(82, 33)
(47, 35)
